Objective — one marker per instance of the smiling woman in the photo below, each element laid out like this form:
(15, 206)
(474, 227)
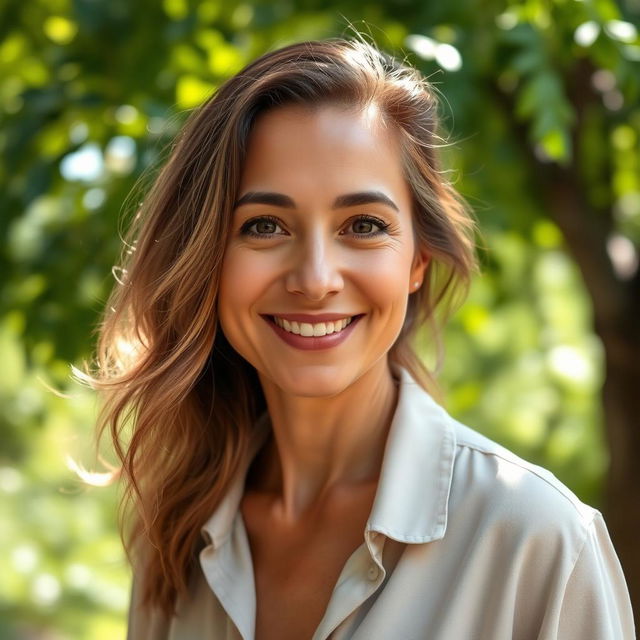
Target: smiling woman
(301, 246)
(288, 474)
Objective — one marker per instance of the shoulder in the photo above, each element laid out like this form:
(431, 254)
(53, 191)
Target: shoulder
(539, 537)
(526, 500)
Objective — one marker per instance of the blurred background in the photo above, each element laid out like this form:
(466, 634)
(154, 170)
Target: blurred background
(541, 102)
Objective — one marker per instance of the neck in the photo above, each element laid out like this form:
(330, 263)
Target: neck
(323, 444)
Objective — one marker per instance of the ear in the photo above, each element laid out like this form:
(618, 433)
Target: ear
(419, 266)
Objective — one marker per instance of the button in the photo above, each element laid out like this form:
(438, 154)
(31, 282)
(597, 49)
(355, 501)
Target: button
(373, 572)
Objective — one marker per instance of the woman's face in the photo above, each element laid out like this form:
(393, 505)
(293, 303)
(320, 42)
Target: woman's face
(322, 225)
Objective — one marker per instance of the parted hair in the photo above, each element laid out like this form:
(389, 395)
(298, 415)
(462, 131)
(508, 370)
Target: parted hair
(179, 403)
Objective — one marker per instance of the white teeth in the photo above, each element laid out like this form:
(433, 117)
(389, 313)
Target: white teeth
(308, 330)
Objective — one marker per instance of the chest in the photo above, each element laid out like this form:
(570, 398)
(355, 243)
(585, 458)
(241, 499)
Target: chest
(297, 567)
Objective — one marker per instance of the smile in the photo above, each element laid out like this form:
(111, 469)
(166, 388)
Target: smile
(312, 336)
(309, 330)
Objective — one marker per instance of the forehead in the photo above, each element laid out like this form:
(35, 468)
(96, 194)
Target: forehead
(329, 147)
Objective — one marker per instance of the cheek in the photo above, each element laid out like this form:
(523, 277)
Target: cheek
(240, 285)
(384, 278)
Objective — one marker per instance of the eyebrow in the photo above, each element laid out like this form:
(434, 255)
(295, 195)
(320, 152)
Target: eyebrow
(346, 200)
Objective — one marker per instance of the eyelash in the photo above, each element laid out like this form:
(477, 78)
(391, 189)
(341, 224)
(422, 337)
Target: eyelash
(246, 227)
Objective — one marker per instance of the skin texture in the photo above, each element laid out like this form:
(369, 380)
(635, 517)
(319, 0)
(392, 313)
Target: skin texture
(310, 489)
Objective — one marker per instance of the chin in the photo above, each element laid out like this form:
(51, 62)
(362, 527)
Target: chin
(311, 381)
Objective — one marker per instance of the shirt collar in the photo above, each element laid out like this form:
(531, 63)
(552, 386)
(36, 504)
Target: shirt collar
(415, 478)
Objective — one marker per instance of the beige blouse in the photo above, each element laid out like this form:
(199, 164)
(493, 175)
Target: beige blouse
(465, 541)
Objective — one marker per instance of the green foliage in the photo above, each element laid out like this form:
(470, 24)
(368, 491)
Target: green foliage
(91, 94)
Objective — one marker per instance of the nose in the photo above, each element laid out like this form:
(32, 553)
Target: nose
(315, 271)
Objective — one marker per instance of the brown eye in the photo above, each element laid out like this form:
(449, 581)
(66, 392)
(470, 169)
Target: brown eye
(363, 226)
(263, 227)
(266, 226)
(368, 226)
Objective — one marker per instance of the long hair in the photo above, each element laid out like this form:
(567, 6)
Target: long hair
(179, 403)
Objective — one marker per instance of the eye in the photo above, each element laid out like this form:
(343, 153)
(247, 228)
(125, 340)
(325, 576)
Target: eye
(262, 227)
(368, 226)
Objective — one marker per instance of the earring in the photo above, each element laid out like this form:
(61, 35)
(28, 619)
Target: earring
(416, 284)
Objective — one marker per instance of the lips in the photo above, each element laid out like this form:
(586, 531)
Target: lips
(309, 341)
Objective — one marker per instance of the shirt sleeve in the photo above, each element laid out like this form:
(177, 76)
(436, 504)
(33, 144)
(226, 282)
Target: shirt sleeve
(596, 603)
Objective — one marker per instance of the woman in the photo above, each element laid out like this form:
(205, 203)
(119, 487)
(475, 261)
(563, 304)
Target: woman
(290, 475)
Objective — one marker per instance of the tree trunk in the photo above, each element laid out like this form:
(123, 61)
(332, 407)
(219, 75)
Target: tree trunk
(621, 398)
(616, 312)
(616, 309)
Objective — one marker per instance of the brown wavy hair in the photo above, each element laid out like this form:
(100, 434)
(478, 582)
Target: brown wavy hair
(180, 404)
